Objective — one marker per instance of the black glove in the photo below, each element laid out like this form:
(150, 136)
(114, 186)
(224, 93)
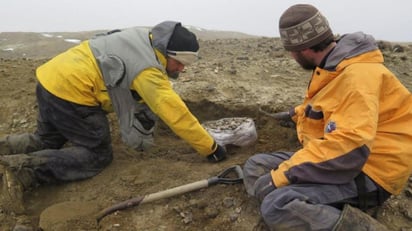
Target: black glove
(145, 116)
(263, 186)
(283, 117)
(287, 123)
(218, 155)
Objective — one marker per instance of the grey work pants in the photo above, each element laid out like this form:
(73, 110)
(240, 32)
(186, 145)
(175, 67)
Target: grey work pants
(85, 128)
(300, 206)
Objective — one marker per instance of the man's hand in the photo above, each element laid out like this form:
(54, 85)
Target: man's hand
(263, 186)
(283, 117)
(218, 155)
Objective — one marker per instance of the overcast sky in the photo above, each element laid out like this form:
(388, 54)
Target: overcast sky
(384, 19)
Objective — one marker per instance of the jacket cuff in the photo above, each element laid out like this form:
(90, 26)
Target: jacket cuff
(279, 178)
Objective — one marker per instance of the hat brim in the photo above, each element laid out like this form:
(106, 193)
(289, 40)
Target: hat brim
(184, 57)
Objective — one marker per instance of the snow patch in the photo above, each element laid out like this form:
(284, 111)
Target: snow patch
(193, 28)
(47, 35)
(77, 41)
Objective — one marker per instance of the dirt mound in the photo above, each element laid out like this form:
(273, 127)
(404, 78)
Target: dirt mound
(233, 78)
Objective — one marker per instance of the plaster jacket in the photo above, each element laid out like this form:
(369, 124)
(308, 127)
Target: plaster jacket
(355, 117)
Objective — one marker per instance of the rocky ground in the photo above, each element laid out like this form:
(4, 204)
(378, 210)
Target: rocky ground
(233, 78)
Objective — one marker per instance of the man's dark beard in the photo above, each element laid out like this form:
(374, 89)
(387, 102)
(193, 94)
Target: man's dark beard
(304, 62)
(173, 75)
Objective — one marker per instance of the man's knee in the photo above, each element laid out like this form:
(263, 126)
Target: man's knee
(255, 165)
(22, 143)
(251, 172)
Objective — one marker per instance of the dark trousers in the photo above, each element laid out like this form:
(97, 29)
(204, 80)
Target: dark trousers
(307, 206)
(74, 138)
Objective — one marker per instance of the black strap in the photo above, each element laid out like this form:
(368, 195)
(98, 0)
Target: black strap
(383, 195)
(135, 95)
(362, 192)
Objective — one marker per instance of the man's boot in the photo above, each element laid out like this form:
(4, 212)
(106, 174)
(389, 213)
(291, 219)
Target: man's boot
(11, 196)
(16, 177)
(354, 219)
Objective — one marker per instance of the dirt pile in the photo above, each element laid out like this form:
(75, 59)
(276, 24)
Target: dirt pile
(233, 78)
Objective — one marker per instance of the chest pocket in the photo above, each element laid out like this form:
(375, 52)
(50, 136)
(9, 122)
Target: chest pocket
(312, 124)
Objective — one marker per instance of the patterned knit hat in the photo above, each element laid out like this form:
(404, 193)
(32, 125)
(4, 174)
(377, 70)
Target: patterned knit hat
(302, 26)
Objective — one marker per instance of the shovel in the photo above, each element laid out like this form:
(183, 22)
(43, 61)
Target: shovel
(221, 178)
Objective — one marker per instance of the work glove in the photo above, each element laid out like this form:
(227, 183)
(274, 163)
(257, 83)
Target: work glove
(263, 186)
(218, 155)
(146, 118)
(283, 117)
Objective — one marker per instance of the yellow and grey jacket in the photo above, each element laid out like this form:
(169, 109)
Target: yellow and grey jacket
(356, 116)
(121, 63)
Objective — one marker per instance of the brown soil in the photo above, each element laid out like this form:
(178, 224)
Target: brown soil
(233, 78)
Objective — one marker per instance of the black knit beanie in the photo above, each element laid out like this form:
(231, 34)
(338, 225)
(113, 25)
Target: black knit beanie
(302, 26)
(183, 40)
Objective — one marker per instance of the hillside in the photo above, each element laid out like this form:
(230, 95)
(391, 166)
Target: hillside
(45, 45)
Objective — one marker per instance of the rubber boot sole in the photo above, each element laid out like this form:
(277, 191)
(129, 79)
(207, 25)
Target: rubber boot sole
(11, 195)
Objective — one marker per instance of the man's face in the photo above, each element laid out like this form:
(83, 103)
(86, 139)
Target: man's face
(303, 60)
(174, 67)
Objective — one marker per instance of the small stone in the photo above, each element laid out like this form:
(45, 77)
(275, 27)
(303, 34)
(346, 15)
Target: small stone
(22, 228)
(408, 192)
(177, 209)
(211, 212)
(187, 217)
(233, 217)
(229, 202)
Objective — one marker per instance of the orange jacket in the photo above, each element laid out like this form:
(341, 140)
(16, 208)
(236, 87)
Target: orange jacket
(356, 117)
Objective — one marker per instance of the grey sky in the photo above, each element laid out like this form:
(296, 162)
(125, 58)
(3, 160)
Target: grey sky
(384, 19)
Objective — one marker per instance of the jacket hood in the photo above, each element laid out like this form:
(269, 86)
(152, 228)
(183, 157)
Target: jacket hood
(162, 33)
(348, 46)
